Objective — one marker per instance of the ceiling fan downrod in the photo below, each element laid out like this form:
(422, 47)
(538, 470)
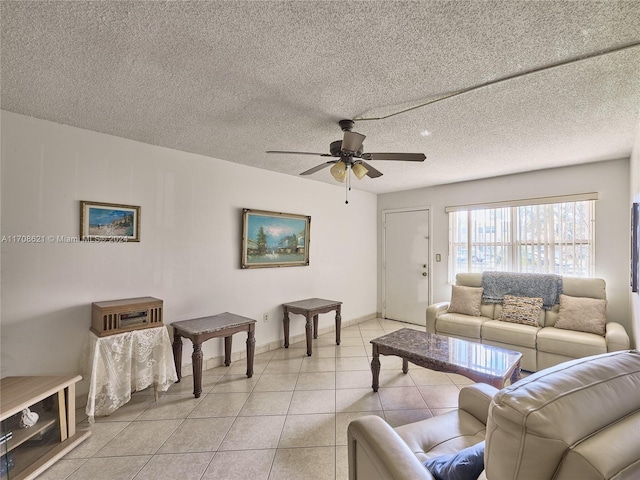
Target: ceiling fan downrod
(346, 125)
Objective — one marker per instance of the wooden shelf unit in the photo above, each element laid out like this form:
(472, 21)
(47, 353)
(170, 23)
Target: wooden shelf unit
(37, 448)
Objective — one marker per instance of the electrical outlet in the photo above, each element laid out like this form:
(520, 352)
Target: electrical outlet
(265, 317)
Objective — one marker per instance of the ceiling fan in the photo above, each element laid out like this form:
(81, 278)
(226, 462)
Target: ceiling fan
(349, 156)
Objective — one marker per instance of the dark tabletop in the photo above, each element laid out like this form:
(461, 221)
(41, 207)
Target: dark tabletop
(211, 324)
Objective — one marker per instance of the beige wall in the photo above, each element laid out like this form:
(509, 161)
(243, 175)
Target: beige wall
(609, 179)
(189, 253)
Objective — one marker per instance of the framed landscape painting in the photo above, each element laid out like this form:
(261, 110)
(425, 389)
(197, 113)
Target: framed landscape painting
(109, 222)
(273, 239)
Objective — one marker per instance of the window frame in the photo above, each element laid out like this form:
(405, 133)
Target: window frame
(520, 248)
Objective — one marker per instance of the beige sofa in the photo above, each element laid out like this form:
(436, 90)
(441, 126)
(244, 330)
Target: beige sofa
(542, 345)
(576, 420)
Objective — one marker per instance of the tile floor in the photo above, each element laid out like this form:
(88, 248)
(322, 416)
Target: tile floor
(289, 421)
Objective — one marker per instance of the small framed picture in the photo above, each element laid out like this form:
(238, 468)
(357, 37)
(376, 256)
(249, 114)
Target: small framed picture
(109, 222)
(273, 239)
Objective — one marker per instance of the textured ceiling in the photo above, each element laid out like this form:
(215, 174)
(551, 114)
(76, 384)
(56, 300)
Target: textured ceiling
(232, 79)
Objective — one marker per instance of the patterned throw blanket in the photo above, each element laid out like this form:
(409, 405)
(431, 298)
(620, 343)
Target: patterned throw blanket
(498, 284)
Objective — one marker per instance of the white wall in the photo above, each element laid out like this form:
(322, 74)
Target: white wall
(189, 253)
(609, 179)
(635, 197)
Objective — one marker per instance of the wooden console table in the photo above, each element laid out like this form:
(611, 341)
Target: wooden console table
(36, 448)
(311, 308)
(200, 330)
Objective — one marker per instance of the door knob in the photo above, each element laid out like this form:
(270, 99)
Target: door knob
(424, 274)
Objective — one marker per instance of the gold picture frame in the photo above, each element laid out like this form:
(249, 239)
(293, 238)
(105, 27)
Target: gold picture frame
(274, 239)
(109, 222)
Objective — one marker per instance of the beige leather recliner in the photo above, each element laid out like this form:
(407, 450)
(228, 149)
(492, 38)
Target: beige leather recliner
(579, 420)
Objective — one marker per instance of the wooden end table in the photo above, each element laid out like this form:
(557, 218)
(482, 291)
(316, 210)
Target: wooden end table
(200, 330)
(479, 362)
(311, 308)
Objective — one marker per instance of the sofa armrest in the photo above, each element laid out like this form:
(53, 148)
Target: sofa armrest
(475, 399)
(616, 337)
(377, 452)
(433, 312)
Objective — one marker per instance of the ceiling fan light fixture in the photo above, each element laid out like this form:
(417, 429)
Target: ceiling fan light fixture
(359, 170)
(339, 171)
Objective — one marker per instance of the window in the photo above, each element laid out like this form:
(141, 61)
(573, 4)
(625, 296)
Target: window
(544, 237)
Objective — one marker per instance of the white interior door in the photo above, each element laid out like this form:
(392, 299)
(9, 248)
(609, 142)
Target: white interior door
(406, 265)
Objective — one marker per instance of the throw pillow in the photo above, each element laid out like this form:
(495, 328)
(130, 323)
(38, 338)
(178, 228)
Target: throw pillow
(465, 300)
(467, 464)
(582, 314)
(524, 310)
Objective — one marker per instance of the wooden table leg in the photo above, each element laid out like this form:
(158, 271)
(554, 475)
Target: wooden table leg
(338, 324)
(227, 350)
(315, 326)
(177, 354)
(251, 348)
(308, 330)
(196, 358)
(285, 322)
(375, 369)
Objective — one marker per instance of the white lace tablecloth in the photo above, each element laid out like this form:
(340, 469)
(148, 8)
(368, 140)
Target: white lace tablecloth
(125, 362)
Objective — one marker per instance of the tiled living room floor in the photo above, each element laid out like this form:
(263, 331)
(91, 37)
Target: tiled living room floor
(288, 421)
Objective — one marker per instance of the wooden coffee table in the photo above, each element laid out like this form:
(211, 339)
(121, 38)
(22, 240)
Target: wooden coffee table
(481, 363)
(311, 308)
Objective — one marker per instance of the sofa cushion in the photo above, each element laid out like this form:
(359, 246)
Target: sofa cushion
(582, 314)
(570, 343)
(467, 464)
(584, 287)
(524, 310)
(550, 316)
(465, 300)
(510, 333)
(458, 325)
(443, 434)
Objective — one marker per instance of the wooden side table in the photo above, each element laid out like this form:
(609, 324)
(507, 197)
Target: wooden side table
(200, 330)
(124, 362)
(311, 308)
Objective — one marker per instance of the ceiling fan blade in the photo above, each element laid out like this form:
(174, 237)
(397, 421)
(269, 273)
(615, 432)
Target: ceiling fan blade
(317, 168)
(371, 172)
(352, 141)
(406, 157)
(301, 153)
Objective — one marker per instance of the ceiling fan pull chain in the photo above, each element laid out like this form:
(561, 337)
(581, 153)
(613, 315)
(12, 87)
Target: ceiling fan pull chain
(347, 187)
